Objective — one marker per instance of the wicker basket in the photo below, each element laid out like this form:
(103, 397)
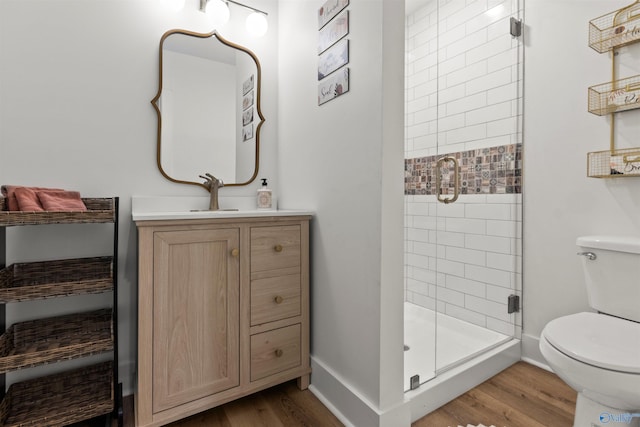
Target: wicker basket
(36, 342)
(98, 211)
(61, 399)
(48, 279)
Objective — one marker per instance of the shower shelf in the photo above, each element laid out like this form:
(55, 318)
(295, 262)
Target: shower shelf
(616, 96)
(606, 34)
(615, 29)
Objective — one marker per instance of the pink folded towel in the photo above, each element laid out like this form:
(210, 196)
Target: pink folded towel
(61, 201)
(27, 199)
(8, 191)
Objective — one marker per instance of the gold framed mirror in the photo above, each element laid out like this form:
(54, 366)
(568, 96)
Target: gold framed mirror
(208, 107)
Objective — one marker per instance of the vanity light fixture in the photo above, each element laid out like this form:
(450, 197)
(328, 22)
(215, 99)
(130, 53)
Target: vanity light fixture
(256, 22)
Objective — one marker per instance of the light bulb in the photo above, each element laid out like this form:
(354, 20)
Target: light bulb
(218, 10)
(257, 24)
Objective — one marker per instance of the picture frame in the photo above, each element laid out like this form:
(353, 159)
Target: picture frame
(333, 31)
(333, 86)
(330, 9)
(247, 132)
(247, 85)
(247, 116)
(333, 58)
(247, 100)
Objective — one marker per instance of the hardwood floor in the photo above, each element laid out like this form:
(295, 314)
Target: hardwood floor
(521, 396)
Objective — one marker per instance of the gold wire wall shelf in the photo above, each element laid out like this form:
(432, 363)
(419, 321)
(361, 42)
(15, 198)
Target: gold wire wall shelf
(620, 163)
(616, 96)
(615, 29)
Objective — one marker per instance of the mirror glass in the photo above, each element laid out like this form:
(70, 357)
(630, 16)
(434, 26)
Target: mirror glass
(208, 106)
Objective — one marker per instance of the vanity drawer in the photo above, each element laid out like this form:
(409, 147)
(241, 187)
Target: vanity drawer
(275, 298)
(275, 351)
(274, 248)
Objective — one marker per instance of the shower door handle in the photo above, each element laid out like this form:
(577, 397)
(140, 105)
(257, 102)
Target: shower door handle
(456, 180)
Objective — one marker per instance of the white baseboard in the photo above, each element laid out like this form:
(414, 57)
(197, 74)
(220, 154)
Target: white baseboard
(350, 406)
(531, 351)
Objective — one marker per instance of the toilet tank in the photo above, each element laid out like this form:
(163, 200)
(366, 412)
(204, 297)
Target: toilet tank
(613, 277)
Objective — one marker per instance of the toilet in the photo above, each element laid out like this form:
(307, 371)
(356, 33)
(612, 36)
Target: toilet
(598, 353)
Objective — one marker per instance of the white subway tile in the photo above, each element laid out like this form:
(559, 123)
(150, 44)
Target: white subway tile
(498, 293)
(466, 225)
(489, 275)
(502, 93)
(424, 222)
(500, 326)
(466, 256)
(450, 296)
(486, 307)
(423, 275)
(467, 133)
(426, 249)
(414, 260)
(465, 74)
(451, 64)
(466, 315)
(502, 261)
(489, 115)
(506, 126)
(417, 287)
(503, 59)
(417, 235)
(450, 267)
(490, 81)
(453, 210)
(467, 286)
(468, 103)
(488, 243)
(423, 301)
(471, 41)
(450, 239)
(502, 228)
(451, 122)
(489, 211)
(489, 50)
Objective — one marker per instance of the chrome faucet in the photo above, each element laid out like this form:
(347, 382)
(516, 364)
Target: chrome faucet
(213, 184)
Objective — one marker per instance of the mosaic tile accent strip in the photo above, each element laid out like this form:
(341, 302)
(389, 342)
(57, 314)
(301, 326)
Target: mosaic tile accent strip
(494, 170)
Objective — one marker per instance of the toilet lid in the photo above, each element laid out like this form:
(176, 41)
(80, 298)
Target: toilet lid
(597, 339)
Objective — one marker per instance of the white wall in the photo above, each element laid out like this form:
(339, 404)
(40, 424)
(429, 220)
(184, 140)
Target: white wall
(344, 160)
(76, 81)
(560, 202)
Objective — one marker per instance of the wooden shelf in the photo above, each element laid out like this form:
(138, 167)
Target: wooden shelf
(38, 342)
(48, 279)
(61, 399)
(98, 211)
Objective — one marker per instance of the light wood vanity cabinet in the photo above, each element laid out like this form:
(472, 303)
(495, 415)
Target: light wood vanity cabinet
(222, 311)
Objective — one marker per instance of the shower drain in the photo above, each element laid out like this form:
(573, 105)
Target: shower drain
(406, 347)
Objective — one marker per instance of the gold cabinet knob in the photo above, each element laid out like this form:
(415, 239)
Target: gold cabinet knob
(235, 252)
(279, 353)
(277, 248)
(278, 299)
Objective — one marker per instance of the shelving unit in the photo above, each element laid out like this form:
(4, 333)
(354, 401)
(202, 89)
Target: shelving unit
(609, 33)
(79, 394)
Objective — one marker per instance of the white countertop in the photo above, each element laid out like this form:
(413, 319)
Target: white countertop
(155, 208)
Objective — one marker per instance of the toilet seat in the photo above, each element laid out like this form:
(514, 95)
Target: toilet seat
(597, 339)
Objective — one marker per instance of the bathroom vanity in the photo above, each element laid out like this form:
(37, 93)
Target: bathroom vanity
(223, 307)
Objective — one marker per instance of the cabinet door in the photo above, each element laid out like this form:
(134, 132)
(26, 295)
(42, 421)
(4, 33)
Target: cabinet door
(195, 315)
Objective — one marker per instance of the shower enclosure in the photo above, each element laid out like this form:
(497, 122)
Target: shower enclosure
(463, 192)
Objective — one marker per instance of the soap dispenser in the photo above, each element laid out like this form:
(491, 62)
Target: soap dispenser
(264, 196)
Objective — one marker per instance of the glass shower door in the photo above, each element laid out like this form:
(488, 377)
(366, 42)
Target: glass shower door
(463, 162)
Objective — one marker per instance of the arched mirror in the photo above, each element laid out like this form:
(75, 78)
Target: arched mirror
(208, 106)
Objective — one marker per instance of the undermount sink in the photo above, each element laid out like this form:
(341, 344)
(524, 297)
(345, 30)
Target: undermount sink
(149, 208)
